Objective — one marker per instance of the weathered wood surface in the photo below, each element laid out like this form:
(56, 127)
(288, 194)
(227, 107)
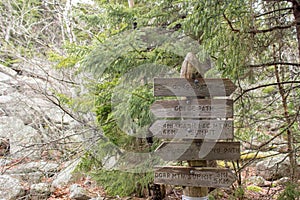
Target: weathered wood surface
(193, 129)
(193, 87)
(190, 69)
(184, 150)
(194, 177)
(194, 108)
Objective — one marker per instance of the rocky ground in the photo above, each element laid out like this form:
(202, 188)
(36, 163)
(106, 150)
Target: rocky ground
(38, 135)
(26, 178)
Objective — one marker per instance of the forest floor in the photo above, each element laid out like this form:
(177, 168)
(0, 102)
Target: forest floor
(267, 193)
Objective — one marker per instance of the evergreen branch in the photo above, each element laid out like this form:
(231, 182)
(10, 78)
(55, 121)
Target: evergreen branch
(135, 94)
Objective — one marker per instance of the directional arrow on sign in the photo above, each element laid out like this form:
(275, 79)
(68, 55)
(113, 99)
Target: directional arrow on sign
(193, 129)
(194, 177)
(184, 150)
(195, 108)
(193, 87)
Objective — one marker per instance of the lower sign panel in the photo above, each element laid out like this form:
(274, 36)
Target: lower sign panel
(184, 150)
(194, 177)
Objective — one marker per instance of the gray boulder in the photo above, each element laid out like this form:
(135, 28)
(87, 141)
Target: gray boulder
(20, 137)
(32, 177)
(78, 193)
(4, 162)
(10, 188)
(33, 172)
(255, 180)
(47, 168)
(274, 167)
(39, 191)
(66, 175)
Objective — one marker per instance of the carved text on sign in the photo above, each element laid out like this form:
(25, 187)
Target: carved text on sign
(183, 150)
(196, 108)
(208, 177)
(193, 129)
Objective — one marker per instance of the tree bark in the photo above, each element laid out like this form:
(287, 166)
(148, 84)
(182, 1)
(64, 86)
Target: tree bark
(191, 68)
(296, 12)
(290, 136)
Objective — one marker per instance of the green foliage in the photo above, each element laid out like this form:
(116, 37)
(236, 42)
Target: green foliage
(269, 89)
(129, 174)
(125, 65)
(239, 193)
(254, 188)
(63, 99)
(209, 23)
(76, 54)
(123, 183)
(290, 192)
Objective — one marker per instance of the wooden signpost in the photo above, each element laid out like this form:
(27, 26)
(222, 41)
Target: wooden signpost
(193, 87)
(182, 150)
(196, 124)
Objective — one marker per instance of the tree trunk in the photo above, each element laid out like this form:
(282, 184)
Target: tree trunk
(296, 12)
(290, 136)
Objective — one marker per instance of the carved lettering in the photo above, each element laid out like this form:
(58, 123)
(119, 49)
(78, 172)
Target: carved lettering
(196, 176)
(184, 176)
(194, 108)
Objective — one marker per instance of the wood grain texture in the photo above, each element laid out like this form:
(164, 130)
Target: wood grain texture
(195, 108)
(184, 150)
(193, 129)
(199, 87)
(194, 176)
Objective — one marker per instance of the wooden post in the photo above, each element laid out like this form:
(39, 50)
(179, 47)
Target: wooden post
(195, 191)
(130, 3)
(199, 113)
(189, 70)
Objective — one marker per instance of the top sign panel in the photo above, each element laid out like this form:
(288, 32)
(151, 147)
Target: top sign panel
(193, 87)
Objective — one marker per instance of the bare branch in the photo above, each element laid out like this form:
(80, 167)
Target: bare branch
(230, 24)
(293, 1)
(273, 63)
(256, 31)
(262, 86)
(273, 11)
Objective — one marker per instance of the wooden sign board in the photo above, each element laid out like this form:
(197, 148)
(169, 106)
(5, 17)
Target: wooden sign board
(194, 177)
(184, 150)
(194, 108)
(193, 129)
(193, 87)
